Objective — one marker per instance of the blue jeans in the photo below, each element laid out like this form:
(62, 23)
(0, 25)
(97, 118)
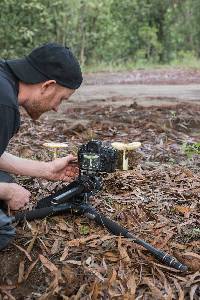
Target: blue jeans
(7, 232)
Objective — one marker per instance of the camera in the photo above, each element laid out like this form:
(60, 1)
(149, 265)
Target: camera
(95, 157)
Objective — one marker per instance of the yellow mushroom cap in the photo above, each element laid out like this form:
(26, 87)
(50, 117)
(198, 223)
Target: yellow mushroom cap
(124, 146)
(133, 145)
(119, 146)
(55, 145)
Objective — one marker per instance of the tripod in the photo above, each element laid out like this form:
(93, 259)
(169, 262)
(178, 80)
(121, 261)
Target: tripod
(74, 198)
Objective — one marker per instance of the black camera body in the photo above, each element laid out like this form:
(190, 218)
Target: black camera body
(95, 157)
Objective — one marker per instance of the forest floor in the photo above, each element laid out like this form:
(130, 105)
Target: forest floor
(68, 256)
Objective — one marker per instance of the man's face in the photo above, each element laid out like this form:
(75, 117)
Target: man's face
(46, 97)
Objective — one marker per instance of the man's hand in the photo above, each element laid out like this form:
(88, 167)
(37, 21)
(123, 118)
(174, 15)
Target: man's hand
(58, 169)
(17, 196)
(62, 169)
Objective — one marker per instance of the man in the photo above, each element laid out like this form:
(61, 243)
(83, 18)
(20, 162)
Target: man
(39, 82)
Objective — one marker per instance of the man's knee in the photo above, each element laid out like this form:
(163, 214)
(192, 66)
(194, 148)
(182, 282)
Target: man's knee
(5, 177)
(7, 232)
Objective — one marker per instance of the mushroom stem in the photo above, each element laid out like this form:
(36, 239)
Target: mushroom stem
(55, 152)
(125, 161)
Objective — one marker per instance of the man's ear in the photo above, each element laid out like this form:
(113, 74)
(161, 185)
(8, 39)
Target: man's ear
(47, 84)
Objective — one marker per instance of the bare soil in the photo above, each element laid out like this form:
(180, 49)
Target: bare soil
(145, 87)
(158, 77)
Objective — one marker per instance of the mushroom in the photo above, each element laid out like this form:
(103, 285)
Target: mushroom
(54, 147)
(125, 147)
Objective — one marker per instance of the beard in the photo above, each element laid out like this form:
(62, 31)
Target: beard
(35, 109)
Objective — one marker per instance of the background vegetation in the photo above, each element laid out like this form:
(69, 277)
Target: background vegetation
(106, 31)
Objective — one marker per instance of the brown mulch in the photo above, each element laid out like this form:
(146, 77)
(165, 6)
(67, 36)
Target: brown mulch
(69, 257)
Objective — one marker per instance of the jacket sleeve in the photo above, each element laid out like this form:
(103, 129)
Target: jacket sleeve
(8, 122)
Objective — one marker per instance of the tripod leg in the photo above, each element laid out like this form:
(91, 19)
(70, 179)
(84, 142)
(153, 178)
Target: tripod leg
(117, 229)
(42, 213)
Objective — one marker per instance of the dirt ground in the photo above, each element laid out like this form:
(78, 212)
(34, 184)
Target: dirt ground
(155, 77)
(158, 87)
(68, 256)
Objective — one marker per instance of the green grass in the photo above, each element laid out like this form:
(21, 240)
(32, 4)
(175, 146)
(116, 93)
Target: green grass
(191, 149)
